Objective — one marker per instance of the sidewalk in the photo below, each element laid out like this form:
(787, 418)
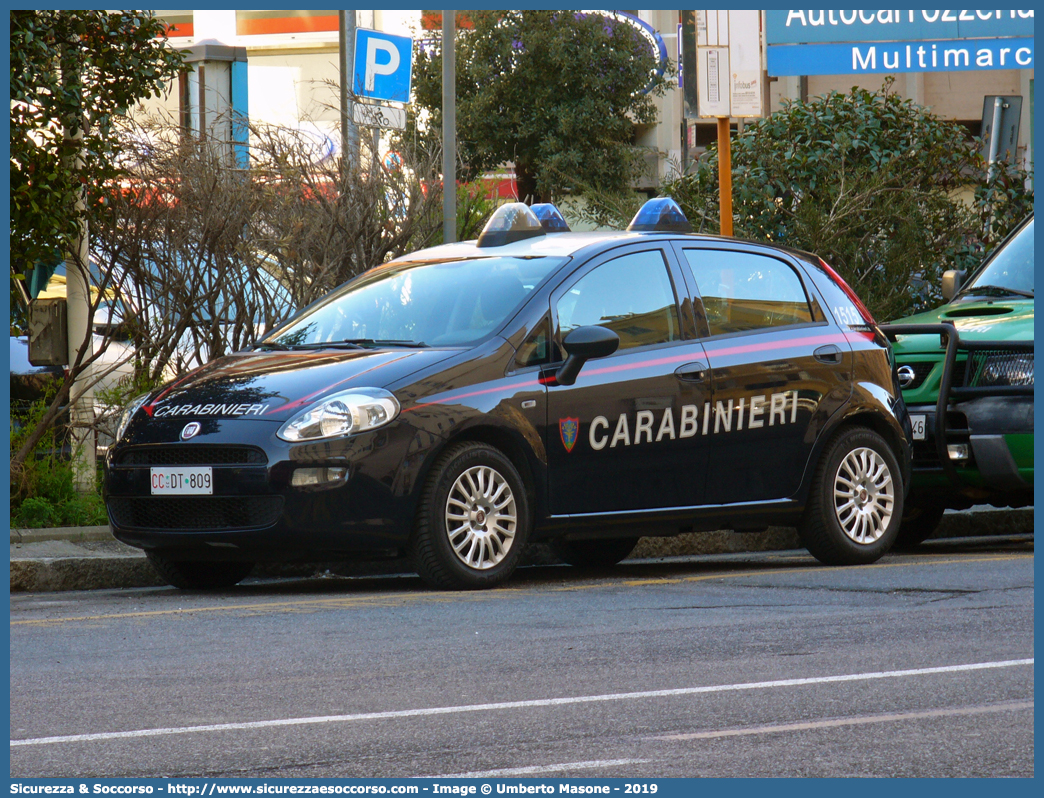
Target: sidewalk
(89, 558)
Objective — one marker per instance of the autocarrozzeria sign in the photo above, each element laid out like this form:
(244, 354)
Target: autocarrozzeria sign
(835, 42)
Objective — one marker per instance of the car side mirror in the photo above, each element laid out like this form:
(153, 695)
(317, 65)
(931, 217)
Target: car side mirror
(581, 345)
(951, 283)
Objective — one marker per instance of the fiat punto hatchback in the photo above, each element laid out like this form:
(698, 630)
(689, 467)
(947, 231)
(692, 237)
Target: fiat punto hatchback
(536, 384)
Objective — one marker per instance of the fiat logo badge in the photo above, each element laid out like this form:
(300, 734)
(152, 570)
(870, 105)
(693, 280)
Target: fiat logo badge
(191, 430)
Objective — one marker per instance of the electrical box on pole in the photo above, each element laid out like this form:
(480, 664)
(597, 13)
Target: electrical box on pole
(48, 333)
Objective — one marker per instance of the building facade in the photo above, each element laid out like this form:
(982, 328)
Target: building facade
(293, 76)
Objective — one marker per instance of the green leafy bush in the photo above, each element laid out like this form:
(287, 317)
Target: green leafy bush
(870, 182)
(45, 493)
(36, 511)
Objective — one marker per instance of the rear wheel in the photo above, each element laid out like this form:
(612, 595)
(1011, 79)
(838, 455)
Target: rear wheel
(191, 575)
(856, 501)
(919, 523)
(593, 553)
(473, 519)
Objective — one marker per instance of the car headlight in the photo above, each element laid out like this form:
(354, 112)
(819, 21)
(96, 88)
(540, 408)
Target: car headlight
(345, 413)
(128, 414)
(1007, 370)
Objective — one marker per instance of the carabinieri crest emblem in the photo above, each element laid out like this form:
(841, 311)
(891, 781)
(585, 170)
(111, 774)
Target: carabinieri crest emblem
(568, 429)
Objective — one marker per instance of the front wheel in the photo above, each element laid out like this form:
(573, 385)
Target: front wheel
(593, 553)
(190, 575)
(473, 520)
(856, 501)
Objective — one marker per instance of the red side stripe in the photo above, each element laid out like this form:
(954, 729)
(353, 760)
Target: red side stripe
(456, 397)
(815, 340)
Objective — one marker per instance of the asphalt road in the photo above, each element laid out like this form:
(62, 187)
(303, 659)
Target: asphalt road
(732, 665)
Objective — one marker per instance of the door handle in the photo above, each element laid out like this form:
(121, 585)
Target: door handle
(691, 372)
(828, 354)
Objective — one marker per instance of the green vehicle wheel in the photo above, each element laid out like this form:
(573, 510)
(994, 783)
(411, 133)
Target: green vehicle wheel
(919, 523)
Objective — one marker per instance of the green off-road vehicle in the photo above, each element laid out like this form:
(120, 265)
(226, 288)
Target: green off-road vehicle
(966, 370)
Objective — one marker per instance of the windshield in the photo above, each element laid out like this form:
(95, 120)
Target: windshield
(1010, 270)
(432, 303)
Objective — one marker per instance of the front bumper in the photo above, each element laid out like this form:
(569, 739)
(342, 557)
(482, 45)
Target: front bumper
(978, 440)
(255, 511)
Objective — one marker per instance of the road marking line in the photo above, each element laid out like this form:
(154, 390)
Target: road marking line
(392, 600)
(344, 602)
(532, 771)
(533, 703)
(852, 721)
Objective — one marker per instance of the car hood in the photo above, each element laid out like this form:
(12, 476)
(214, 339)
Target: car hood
(272, 385)
(975, 321)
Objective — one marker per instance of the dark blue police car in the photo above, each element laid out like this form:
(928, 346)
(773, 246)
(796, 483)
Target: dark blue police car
(581, 388)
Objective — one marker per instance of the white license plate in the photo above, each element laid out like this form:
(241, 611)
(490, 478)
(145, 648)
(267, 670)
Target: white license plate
(182, 481)
(917, 422)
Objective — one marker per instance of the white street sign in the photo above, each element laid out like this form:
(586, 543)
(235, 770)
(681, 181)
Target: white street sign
(712, 69)
(730, 72)
(383, 116)
(746, 67)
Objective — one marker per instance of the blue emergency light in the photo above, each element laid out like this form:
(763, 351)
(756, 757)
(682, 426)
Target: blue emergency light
(660, 215)
(551, 218)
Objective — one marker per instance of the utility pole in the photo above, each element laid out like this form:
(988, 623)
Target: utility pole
(449, 128)
(78, 308)
(346, 51)
(725, 176)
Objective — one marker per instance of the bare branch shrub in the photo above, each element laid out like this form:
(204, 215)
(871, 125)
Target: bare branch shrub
(322, 223)
(177, 233)
(210, 255)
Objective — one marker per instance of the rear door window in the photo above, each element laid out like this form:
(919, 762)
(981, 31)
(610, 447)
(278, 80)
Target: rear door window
(743, 291)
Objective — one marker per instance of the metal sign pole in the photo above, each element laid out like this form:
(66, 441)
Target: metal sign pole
(731, 84)
(449, 128)
(725, 175)
(349, 132)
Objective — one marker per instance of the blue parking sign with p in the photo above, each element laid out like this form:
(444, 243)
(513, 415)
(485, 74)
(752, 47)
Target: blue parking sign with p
(383, 66)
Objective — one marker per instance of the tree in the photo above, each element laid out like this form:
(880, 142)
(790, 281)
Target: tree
(556, 92)
(869, 182)
(73, 74)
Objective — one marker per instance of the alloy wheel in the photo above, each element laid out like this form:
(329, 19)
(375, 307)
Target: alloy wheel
(864, 495)
(481, 517)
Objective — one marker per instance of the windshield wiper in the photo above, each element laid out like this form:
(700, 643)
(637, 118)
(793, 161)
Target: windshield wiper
(995, 290)
(385, 342)
(348, 343)
(318, 345)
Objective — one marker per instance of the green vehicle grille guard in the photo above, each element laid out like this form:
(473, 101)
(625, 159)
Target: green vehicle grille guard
(948, 392)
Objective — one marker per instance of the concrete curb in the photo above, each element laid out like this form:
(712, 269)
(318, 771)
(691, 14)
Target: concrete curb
(89, 558)
(75, 533)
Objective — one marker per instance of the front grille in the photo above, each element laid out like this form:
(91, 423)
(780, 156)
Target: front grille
(920, 370)
(215, 513)
(191, 455)
(925, 454)
(923, 368)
